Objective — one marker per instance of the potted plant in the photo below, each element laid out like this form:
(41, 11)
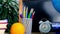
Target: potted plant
(9, 10)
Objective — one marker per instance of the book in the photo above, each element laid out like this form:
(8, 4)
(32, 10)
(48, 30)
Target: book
(3, 23)
(3, 26)
(2, 31)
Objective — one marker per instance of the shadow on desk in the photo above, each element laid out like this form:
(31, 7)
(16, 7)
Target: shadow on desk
(40, 33)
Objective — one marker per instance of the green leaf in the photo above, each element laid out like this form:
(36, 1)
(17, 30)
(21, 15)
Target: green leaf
(1, 1)
(9, 10)
(9, 1)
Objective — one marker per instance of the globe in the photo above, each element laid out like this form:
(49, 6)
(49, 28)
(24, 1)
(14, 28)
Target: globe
(56, 4)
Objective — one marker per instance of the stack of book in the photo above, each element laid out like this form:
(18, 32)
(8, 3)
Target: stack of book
(3, 24)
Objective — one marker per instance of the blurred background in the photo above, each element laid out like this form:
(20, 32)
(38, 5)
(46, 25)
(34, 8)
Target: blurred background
(43, 9)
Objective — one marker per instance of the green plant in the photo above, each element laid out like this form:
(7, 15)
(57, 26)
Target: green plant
(9, 10)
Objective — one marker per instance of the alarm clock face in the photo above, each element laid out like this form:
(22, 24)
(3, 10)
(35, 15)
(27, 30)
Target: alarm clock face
(45, 27)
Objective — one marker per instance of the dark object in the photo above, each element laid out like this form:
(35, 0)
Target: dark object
(57, 33)
(44, 19)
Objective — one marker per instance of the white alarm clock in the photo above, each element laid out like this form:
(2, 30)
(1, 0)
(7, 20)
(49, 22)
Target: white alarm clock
(44, 27)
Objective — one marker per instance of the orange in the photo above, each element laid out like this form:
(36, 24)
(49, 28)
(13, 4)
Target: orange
(17, 28)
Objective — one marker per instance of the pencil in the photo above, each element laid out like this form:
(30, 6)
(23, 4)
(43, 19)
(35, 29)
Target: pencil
(33, 14)
(26, 12)
(31, 11)
(20, 10)
(20, 7)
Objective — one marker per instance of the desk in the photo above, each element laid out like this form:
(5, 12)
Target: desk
(40, 33)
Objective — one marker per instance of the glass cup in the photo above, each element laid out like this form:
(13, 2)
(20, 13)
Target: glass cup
(27, 22)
